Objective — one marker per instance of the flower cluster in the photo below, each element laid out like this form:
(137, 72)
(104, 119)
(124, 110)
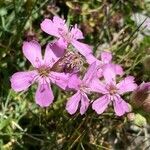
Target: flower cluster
(62, 65)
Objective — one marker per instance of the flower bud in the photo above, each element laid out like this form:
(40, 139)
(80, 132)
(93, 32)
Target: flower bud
(146, 105)
(139, 120)
(141, 96)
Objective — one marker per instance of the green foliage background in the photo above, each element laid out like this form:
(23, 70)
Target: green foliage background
(105, 23)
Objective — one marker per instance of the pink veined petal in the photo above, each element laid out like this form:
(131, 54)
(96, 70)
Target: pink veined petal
(49, 57)
(74, 81)
(91, 73)
(120, 106)
(60, 79)
(22, 80)
(57, 20)
(106, 57)
(101, 104)
(53, 53)
(126, 85)
(109, 74)
(60, 23)
(44, 95)
(32, 51)
(84, 49)
(43, 80)
(58, 47)
(50, 28)
(99, 72)
(143, 87)
(73, 103)
(84, 103)
(76, 33)
(118, 69)
(91, 58)
(97, 86)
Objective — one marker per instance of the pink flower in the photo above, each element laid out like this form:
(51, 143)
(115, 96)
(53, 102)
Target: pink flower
(41, 73)
(58, 28)
(111, 92)
(105, 58)
(82, 88)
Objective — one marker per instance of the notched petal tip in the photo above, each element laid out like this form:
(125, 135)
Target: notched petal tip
(126, 85)
(120, 106)
(50, 27)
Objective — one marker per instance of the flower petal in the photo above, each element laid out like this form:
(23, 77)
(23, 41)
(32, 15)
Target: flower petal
(73, 103)
(60, 79)
(101, 104)
(84, 49)
(84, 104)
(126, 85)
(74, 81)
(109, 74)
(32, 51)
(22, 80)
(60, 23)
(53, 53)
(76, 33)
(58, 47)
(118, 69)
(91, 73)
(106, 57)
(120, 106)
(97, 86)
(91, 58)
(49, 27)
(44, 95)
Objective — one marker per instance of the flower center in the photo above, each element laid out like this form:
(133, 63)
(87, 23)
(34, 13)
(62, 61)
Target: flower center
(84, 88)
(44, 71)
(112, 89)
